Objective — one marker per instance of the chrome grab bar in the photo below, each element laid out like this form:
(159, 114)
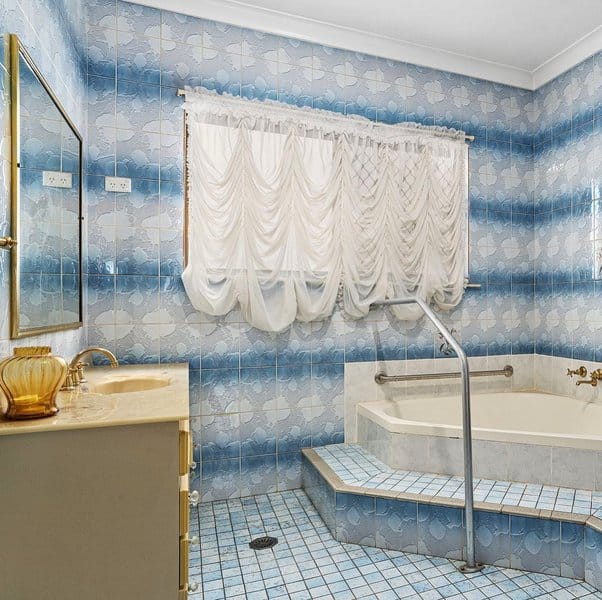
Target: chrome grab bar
(381, 377)
(471, 566)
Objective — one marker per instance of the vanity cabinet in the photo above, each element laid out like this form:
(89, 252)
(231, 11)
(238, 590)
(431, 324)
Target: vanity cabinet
(95, 513)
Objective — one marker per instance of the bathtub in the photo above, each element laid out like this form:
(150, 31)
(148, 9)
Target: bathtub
(517, 436)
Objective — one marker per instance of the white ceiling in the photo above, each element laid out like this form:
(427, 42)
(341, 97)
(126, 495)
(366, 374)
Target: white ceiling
(520, 42)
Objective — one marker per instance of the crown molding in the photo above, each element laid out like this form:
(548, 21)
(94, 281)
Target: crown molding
(563, 61)
(284, 24)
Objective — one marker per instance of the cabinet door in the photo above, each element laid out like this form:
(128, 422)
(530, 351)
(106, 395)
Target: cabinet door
(91, 513)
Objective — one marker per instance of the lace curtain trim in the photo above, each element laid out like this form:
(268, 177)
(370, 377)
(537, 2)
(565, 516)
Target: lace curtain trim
(200, 101)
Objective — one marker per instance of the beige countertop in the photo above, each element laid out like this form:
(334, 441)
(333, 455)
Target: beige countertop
(84, 409)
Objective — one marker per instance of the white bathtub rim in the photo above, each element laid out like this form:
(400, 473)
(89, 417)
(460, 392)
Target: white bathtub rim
(375, 412)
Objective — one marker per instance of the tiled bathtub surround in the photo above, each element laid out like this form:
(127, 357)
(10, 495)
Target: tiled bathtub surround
(519, 461)
(360, 385)
(550, 375)
(362, 501)
(529, 463)
(527, 455)
(532, 372)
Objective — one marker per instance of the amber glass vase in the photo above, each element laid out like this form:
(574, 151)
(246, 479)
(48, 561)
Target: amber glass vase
(30, 380)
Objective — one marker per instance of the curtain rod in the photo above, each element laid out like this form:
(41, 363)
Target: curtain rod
(468, 138)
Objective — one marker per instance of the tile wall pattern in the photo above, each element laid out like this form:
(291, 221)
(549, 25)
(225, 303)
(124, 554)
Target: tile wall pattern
(54, 33)
(257, 398)
(568, 213)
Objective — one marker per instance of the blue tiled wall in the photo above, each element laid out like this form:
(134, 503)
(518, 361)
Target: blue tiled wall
(53, 31)
(257, 398)
(568, 213)
(535, 237)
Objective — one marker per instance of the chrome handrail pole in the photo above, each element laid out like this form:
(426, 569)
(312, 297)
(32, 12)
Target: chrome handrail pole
(381, 377)
(471, 566)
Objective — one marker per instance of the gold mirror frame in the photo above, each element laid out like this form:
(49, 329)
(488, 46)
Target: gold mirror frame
(17, 49)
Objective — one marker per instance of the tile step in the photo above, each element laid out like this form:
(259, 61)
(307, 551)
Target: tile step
(538, 540)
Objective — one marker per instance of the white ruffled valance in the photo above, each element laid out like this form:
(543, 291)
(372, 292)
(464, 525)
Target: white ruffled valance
(288, 205)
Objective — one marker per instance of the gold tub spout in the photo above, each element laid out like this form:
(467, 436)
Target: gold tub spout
(595, 377)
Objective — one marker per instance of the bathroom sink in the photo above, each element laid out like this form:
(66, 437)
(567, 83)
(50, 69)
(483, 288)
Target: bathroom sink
(123, 384)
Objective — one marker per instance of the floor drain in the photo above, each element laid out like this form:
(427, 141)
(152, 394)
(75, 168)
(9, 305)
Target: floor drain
(262, 543)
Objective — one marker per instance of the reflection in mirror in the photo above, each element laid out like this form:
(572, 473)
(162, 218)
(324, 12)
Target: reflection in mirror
(46, 205)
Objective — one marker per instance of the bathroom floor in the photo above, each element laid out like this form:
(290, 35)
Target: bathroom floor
(308, 563)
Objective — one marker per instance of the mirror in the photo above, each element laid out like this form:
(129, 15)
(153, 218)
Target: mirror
(46, 177)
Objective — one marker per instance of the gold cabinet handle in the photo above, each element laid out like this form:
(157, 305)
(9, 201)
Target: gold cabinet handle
(183, 561)
(185, 452)
(184, 513)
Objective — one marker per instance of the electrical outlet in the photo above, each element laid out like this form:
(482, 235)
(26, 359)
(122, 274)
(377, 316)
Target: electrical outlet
(56, 179)
(118, 184)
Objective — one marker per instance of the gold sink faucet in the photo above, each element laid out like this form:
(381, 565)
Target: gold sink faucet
(75, 373)
(595, 376)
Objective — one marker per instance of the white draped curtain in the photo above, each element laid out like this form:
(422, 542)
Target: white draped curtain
(291, 209)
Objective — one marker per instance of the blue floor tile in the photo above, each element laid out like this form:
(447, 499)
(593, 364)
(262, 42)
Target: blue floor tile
(309, 563)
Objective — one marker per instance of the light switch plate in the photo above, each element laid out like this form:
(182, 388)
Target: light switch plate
(118, 184)
(58, 179)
